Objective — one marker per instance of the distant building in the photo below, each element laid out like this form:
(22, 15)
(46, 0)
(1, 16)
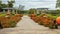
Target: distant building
(42, 9)
(10, 9)
(6, 9)
(21, 7)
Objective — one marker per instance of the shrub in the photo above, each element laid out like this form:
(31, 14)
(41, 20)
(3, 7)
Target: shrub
(46, 20)
(52, 16)
(15, 18)
(12, 23)
(41, 23)
(38, 14)
(9, 22)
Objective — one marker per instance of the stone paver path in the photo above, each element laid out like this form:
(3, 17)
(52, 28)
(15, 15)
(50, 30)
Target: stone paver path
(28, 26)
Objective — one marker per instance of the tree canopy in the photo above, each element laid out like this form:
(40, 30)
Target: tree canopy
(31, 11)
(0, 5)
(10, 3)
(58, 3)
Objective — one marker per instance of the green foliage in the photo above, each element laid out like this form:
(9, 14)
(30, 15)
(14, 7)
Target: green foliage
(51, 27)
(53, 12)
(38, 14)
(52, 16)
(2, 15)
(0, 6)
(4, 5)
(54, 26)
(58, 3)
(49, 15)
(12, 23)
(31, 11)
(10, 3)
(41, 23)
(0, 2)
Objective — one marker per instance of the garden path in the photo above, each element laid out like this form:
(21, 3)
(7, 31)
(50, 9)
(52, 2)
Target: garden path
(28, 26)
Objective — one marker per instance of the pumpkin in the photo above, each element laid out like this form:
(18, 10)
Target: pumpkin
(58, 20)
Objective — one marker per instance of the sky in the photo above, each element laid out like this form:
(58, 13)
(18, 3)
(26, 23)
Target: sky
(35, 3)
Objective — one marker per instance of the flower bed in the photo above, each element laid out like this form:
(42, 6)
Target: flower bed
(44, 20)
(11, 21)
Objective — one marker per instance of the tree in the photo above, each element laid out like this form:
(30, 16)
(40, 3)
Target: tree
(10, 3)
(32, 11)
(0, 2)
(0, 5)
(4, 5)
(58, 3)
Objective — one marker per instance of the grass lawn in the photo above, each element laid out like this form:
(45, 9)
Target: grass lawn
(2, 15)
(50, 15)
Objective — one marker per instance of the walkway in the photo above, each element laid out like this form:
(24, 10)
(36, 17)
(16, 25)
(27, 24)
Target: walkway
(28, 26)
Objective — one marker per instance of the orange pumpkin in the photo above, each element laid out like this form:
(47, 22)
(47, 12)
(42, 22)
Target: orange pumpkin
(58, 20)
